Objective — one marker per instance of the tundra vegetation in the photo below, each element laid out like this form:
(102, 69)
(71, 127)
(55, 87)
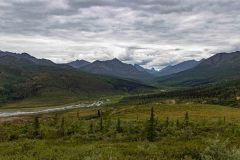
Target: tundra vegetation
(117, 131)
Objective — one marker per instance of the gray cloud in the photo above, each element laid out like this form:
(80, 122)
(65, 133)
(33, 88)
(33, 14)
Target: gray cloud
(152, 33)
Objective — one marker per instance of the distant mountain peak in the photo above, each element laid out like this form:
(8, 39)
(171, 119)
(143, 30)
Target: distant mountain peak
(78, 63)
(25, 54)
(116, 68)
(81, 60)
(115, 60)
(172, 69)
(111, 61)
(151, 71)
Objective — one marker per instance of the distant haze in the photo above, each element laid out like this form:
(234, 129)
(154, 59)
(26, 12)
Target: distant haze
(151, 33)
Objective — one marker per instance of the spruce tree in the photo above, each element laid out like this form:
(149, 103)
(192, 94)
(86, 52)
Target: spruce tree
(118, 127)
(151, 127)
(99, 113)
(186, 118)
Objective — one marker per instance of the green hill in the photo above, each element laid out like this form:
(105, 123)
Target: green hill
(216, 68)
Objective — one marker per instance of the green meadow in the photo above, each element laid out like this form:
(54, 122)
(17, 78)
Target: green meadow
(156, 130)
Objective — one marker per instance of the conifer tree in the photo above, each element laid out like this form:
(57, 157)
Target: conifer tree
(99, 113)
(167, 122)
(186, 118)
(119, 128)
(151, 127)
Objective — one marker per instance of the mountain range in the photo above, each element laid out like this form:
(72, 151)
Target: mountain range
(114, 68)
(23, 76)
(222, 66)
(117, 68)
(219, 67)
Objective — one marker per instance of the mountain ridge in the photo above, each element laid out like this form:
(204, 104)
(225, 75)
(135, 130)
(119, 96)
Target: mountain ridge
(182, 66)
(78, 63)
(24, 78)
(25, 57)
(218, 67)
(116, 68)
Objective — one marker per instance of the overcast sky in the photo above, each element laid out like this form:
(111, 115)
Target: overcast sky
(152, 33)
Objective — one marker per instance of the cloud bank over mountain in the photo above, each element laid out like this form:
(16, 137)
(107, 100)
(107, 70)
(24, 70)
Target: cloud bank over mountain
(152, 33)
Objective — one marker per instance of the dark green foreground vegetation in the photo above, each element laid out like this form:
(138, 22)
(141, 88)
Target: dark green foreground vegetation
(150, 131)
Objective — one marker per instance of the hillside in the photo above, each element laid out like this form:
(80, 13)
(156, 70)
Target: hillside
(178, 68)
(23, 78)
(224, 93)
(219, 67)
(9, 58)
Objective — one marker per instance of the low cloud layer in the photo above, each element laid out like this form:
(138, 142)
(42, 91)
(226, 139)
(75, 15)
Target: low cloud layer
(152, 33)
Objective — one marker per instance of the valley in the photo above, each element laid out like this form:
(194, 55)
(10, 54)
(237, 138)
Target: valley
(119, 80)
(111, 113)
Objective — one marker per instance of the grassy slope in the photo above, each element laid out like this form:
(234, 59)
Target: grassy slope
(207, 119)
